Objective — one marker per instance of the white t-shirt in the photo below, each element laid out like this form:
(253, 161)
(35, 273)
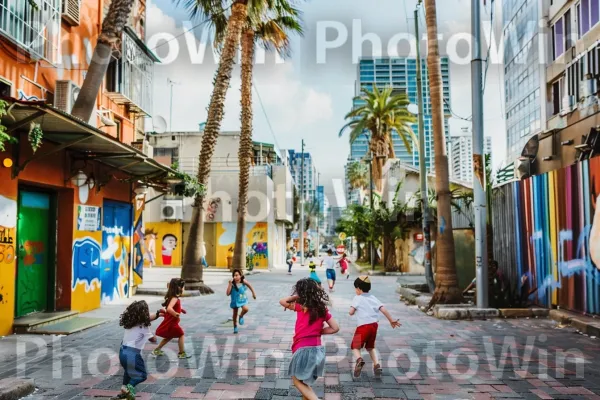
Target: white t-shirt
(367, 309)
(329, 262)
(137, 337)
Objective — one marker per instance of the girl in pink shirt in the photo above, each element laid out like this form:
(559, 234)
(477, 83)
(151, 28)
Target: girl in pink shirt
(309, 301)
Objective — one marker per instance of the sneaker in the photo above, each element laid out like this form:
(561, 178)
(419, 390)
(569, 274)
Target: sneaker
(241, 320)
(235, 329)
(183, 355)
(360, 363)
(377, 370)
(158, 353)
(130, 392)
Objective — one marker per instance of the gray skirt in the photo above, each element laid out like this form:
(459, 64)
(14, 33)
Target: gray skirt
(308, 364)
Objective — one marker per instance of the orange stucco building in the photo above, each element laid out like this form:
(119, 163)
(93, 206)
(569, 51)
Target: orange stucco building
(71, 231)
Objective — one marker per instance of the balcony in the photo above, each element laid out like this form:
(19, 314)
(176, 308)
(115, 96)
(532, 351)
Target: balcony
(129, 78)
(35, 31)
(226, 165)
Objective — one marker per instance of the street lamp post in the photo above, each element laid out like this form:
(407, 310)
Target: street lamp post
(372, 245)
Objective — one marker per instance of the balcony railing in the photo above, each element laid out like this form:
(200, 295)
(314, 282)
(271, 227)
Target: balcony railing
(35, 30)
(226, 165)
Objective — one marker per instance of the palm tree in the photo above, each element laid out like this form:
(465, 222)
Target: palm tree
(110, 36)
(358, 175)
(191, 271)
(447, 290)
(270, 29)
(380, 113)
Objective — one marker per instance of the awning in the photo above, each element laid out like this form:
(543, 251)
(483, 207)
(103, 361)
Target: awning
(86, 141)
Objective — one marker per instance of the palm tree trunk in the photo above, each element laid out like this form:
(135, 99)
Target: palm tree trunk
(245, 150)
(447, 290)
(191, 271)
(110, 35)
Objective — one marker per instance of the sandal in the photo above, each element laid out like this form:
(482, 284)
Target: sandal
(360, 363)
(377, 370)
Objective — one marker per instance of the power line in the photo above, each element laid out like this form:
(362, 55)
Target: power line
(470, 118)
(262, 106)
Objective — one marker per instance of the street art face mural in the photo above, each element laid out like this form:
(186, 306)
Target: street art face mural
(557, 228)
(150, 236)
(86, 263)
(162, 244)
(257, 241)
(169, 244)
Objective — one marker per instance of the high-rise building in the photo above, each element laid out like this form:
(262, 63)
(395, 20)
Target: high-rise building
(461, 155)
(401, 74)
(310, 173)
(524, 71)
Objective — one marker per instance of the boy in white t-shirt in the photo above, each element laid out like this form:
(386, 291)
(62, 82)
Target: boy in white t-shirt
(366, 308)
(330, 262)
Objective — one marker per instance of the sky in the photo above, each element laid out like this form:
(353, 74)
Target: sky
(307, 95)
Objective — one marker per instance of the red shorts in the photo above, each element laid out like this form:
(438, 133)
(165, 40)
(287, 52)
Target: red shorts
(364, 337)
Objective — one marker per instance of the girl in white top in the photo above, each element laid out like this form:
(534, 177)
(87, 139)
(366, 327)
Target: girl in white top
(136, 321)
(330, 262)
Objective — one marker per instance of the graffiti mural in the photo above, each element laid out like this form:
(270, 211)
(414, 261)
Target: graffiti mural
(114, 258)
(163, 244)
(139, 242)
(557, 235)
(257, 241)
(212, 208)
(86, 264)
(8, 224)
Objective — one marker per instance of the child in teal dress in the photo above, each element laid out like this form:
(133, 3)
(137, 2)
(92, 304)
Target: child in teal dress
(313, 272)
(237, 290)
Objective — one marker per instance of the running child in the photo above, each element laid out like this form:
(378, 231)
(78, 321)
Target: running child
(344, 265)
(309, 301)
(329, 262)
(237, 290)
(136, 320)
(313, 272)
(366, 307)
(170, 329)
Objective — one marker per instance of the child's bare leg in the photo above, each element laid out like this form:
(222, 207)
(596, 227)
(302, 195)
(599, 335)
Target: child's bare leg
(373, 355)
(235, 317)
(356, 353)
(162, 343)
(245, 310)
(181, 344)
(304, 389)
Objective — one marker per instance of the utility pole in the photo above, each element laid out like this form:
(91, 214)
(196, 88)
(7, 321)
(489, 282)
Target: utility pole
(479, 202)
(318, 211)
(422, 166)
(372, 208)
(302, 206)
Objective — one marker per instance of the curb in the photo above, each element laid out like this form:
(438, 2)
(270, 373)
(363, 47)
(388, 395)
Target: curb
(163, 292)
(585, 325)
(14, 388)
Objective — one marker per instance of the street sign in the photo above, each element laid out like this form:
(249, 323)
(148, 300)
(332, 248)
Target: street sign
(340, 249)
(342, 236)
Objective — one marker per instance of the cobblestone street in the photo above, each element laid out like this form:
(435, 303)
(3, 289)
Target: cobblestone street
(425, 359)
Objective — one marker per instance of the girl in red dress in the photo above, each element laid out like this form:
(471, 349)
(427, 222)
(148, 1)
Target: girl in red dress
(169, 329)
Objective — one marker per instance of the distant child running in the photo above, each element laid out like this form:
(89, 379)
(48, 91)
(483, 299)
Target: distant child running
(330, 262)
(366, 307)
(344, 265)
(170, 329)
(309, 301)
(313, 272)
(237, 290)
(136, 320)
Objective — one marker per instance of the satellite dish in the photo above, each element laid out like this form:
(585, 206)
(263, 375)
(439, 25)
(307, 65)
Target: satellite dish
(531, 148)
(159, 124)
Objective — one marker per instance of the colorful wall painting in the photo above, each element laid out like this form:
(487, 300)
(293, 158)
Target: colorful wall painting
(86, 263)
(139, 243)
(114, 258)
(557, 236)
(8, 224)
(257, 241)
(163, 243)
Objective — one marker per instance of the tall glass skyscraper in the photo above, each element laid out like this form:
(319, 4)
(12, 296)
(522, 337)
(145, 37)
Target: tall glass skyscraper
(522, 72)
(401, 74)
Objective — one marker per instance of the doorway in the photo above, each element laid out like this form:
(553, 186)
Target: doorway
(36, 239)
(116, 247)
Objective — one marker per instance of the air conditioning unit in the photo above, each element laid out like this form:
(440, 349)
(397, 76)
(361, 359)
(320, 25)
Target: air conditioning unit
(171, 210)
(71, 10)
(65, 95)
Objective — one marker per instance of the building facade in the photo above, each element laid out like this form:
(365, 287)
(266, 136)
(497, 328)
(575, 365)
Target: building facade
(85, 183)
(310, 176)
(526, 45)
(269, 210)
(461, 155)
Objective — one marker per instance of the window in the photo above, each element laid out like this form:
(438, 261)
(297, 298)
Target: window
(588, 12)
(5, 89)
(558, 38)
(556, 96)
(34, 29)
(119, 129)
(569, 35)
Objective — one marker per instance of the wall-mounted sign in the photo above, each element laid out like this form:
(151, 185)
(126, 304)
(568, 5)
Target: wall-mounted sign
(88, 218)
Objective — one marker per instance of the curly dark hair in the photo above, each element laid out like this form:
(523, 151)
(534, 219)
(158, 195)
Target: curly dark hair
(313, 297)
(136, 314)
(239, 271)
(175, 290)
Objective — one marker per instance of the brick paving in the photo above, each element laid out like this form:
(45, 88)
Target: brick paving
(425, 359)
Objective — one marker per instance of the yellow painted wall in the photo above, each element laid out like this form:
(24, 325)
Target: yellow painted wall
(257, 237)
(166, 240)
(8, 222)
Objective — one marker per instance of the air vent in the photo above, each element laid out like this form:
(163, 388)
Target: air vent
(71, 10)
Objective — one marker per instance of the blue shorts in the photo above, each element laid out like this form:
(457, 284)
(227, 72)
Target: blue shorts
(330, 274)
